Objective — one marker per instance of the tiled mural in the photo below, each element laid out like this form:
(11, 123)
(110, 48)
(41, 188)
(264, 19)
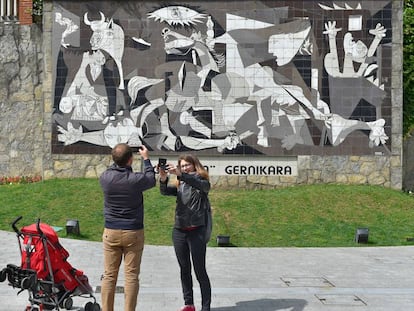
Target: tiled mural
(223, 77)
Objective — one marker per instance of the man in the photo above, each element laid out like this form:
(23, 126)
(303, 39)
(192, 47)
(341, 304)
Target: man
(123, 235)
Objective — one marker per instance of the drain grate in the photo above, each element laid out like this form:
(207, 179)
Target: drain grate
(307, 282)
(341, 300)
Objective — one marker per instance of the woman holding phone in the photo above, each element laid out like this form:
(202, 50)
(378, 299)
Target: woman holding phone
(191, 232)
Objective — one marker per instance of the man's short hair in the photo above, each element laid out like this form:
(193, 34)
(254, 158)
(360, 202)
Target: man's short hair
(121, 154)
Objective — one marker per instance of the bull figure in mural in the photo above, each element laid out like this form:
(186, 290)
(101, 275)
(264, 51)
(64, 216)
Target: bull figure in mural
(108, 37)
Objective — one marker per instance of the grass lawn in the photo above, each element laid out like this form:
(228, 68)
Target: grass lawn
(299, 216)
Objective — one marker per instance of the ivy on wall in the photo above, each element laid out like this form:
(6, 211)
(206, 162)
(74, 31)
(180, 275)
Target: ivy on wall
(37, 7)
(408, 67)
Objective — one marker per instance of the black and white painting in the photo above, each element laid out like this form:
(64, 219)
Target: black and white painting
(218, 78)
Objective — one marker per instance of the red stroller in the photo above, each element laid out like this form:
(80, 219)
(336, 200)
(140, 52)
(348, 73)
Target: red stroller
(45, 271)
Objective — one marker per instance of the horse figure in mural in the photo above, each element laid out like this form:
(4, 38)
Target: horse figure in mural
(186, 97)
(238, 90)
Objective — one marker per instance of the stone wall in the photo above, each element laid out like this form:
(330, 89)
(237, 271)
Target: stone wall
(26, 80)
(22, 130)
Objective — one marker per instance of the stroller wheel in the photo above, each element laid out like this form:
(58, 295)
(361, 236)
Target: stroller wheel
(68, 303)
(3, 275)
(47, 305)
(27, 282)
(89, 306)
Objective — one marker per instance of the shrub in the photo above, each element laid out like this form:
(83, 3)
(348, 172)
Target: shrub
(9, 180)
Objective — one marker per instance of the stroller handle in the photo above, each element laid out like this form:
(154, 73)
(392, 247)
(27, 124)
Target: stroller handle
(38, 227)
(15, 222)
(19, 218)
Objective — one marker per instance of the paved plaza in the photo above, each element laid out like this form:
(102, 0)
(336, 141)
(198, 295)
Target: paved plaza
(251, 279)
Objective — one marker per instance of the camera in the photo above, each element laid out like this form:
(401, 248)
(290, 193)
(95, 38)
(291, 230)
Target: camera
(162, 163)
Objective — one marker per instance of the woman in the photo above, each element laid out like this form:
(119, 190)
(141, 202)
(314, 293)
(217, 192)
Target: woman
(190, 234)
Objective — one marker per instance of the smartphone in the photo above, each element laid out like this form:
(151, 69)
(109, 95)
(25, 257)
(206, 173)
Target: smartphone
(162, 163)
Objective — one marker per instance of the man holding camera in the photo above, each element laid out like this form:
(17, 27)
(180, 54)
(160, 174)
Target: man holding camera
(123, 235)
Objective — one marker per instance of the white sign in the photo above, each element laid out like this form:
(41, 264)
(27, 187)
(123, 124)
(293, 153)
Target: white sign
(244, 166)
(248, 166)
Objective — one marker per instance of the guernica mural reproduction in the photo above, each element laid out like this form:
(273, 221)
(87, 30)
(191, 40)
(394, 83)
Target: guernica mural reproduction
(223, 77)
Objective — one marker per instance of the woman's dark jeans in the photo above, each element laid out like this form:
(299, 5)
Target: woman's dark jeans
(190, 246)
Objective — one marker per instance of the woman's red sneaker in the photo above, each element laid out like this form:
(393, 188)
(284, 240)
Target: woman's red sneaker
(187, 308)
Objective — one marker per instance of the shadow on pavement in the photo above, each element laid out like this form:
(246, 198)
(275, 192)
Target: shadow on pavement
(266, 305)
